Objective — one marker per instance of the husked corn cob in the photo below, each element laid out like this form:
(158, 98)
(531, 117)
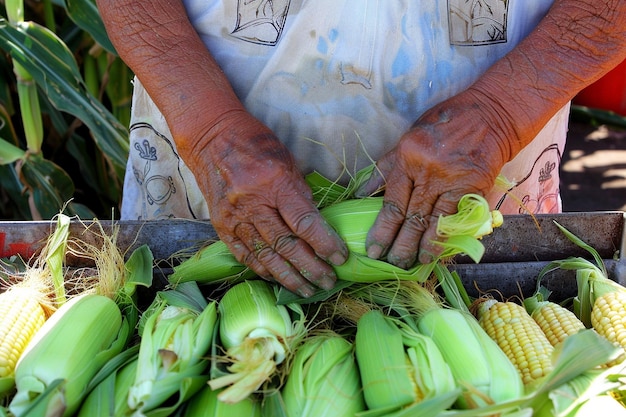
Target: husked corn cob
(556, 321)
(26, 304)
(600, 302)
(519, 336)
(21, 315)
(608, 318)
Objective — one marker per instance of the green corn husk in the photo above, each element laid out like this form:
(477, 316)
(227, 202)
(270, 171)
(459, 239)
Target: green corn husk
(206, 404)
(323, 379)
(476, 361)
(109, 396)
(173, 353)
(400, 368)
(352, 220)
(592, 279)
(212, 264)
(479, 366)
(75, 342)
(257, 334)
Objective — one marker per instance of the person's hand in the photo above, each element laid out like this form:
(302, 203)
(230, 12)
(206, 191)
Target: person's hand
(262, 208)
(457, 147)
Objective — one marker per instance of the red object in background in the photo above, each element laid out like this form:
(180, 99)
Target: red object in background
(608, 93)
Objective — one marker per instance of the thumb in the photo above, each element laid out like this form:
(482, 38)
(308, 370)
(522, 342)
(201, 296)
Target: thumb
(376, 181)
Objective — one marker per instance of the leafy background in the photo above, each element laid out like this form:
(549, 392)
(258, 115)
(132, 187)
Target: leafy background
(64, 111)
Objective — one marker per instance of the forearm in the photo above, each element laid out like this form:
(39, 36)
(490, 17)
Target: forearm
(157, 41)
(574, 45)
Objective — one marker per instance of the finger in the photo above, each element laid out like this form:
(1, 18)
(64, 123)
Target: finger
(244, 252)
(305, 262)
(429, 249)
(390, 218)
(285, 273)
(374, 184)
(261, 257)
(304, 220)
(403, 252)
(258, 253)
(300, 253)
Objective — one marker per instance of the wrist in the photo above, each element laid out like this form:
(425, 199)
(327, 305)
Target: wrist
(200, 139)
(503, 122)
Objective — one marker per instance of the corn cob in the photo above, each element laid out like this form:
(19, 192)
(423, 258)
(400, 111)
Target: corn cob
(109, 397)
(323, 379)
(74, 343)
(556, 321)
(213, 263)
(26, 304)
(608, 318)
(399, 367)
(600, 302)
(258, 335)
(519, 336)
(175, 341)
(477, 362)
(206, 404)
(387, 378)
(352, 220)
(482, 370)
(22, 316)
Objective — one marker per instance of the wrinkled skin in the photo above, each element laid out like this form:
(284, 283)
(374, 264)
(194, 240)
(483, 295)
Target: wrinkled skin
(264, 210)
(452, 150)
(460, 145)
(259, 203)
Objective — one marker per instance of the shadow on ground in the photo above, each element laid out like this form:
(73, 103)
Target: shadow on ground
(593, 169)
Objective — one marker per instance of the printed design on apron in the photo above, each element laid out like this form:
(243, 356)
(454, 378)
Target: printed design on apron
(156, 171)
(260, 21)
(543, 180)
(477, 22)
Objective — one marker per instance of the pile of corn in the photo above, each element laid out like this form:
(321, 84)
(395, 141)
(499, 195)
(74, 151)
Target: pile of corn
(383, 343)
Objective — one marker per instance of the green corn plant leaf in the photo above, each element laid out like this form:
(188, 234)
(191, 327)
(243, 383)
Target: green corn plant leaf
(11, 189)
(9, 153)
(86, 16)
(118, 87)
(97, 174)
(50, 188)
(54, 69)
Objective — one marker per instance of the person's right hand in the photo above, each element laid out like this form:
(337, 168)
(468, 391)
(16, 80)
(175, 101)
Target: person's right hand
(262, 208)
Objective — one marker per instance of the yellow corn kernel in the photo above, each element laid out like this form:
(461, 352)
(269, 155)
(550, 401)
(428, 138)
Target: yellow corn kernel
(21, 315)
(608, 318)
(556, 321)
(519, 336)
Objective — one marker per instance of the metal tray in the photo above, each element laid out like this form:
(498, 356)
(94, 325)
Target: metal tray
(514, 252)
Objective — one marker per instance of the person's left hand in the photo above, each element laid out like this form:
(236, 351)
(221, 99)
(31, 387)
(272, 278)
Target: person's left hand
(457, 147)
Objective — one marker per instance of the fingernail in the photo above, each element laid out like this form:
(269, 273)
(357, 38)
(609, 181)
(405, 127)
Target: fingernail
(425, 257)
(327, 283)
(305, 291)
(337, 258)
(374, 251)
(400, 262)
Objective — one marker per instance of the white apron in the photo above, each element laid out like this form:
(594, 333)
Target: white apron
(339, 81)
